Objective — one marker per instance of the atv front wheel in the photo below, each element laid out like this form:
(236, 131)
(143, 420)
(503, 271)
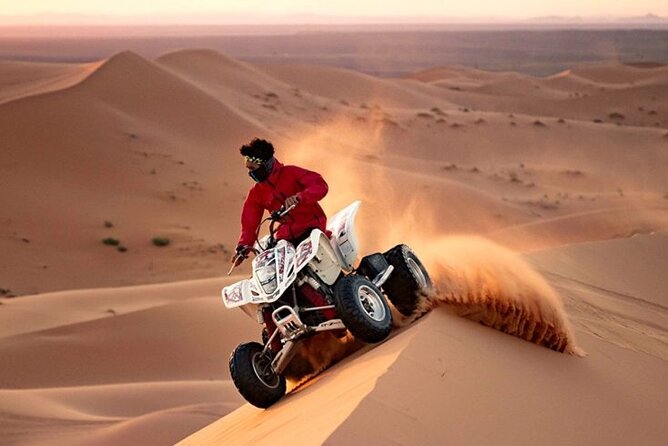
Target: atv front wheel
(253, 376)
(363, 309)
(408, 278)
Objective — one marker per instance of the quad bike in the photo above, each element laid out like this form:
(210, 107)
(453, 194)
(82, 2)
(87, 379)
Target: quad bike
(300, 291)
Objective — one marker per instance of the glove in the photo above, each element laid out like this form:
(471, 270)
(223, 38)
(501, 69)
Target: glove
(291, 200)
(241, 254)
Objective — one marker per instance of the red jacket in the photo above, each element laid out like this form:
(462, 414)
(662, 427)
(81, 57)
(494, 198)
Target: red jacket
(269, 195)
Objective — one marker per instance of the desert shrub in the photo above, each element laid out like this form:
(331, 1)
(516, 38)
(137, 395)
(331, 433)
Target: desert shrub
(538, 123)
(616, 115)
(108, 224)
(389, 122)
(122, 248)
(161, 241)
(110, 241)
(544, 204)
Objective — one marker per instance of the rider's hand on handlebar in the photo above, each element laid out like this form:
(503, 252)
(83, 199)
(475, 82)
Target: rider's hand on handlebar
(241, 254)
(291, 201)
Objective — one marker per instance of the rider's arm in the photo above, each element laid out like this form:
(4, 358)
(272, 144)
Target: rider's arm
(251, 216)
(315, 187)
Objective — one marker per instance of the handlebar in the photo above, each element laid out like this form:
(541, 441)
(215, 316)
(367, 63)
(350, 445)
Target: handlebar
(281, 212)
(274, 217)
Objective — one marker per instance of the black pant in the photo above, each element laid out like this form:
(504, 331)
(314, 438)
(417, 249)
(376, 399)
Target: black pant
(297, 240)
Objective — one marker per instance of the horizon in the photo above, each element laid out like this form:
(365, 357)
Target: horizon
(227, 19)
(304, 12)
(81, 25)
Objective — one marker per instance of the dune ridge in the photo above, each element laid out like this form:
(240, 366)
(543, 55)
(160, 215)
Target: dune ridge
(24, 79)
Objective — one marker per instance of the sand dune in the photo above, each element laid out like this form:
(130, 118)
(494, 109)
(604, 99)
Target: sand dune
(617, 94)
(620, 300)
(448, 368)
(95, 361)
(22, 79)
(109, 346)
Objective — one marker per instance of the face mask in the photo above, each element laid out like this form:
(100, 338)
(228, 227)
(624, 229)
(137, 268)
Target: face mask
(262, 173)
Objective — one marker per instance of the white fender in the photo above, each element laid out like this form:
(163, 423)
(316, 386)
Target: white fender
(344, 237)
(327, 258)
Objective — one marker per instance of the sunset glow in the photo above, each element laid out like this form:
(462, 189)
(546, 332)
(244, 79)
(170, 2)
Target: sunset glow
(288, 10)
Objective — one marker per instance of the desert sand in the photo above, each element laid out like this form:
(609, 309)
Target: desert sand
(549, 193)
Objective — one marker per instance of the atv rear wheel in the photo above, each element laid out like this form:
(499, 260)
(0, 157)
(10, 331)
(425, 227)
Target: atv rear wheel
(363, 309)
(253, 376)
(408, 279)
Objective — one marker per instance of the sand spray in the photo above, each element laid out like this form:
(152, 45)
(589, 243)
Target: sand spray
(479, 279)
(489, 284)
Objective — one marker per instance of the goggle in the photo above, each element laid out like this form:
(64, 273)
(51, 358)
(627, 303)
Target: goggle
(253, 159)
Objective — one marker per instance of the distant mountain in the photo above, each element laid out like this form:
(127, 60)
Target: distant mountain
(556, 19)
(647, 18)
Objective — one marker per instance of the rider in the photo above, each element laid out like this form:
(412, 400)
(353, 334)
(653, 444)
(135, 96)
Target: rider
(279, 185)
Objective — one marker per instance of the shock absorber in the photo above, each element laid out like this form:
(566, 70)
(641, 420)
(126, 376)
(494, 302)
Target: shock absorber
(316, 299)
(270, 326)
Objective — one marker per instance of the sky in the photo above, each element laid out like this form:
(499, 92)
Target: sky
(244, 10)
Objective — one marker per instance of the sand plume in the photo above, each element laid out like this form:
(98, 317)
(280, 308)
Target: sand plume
(316, 354)
(477, 278)
(489, 284)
